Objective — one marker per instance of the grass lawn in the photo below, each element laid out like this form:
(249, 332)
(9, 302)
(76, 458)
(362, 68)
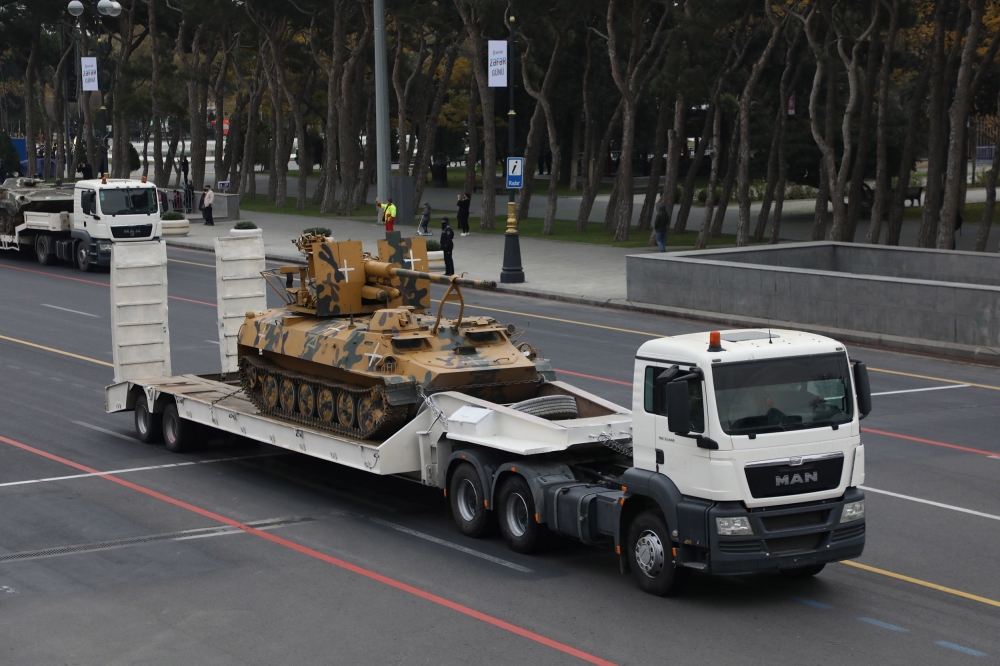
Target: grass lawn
(971, 216)
(565, 230)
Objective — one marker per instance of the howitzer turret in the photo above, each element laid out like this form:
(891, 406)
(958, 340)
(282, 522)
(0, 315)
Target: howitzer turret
(354, 348)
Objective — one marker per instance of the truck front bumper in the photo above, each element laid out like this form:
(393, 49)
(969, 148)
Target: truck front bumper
(785, 537)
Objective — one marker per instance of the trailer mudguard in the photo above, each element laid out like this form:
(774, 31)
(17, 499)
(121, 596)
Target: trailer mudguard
(541, 477)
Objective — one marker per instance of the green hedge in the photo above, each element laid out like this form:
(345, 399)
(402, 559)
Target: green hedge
(172, 215)
(245, 224)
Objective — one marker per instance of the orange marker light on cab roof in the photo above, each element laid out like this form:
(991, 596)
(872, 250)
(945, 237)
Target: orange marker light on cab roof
(144, 179)
(715, 341)
(104, 179)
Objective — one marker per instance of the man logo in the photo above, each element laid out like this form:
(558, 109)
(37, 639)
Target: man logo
(791, 480)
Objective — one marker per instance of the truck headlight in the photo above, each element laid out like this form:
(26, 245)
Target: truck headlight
(733, 526)
(853, 511)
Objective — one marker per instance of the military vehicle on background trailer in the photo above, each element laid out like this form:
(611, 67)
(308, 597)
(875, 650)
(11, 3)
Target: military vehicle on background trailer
(355, 348)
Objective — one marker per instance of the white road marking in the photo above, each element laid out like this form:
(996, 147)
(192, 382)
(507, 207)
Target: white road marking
(135, 469)
(930, 388)
(950, 507)
(455, 546)
(56, 307)
(119, 435)
(212, 342)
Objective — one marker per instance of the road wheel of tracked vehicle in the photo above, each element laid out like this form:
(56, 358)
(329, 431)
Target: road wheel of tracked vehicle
(370, 410)
(325, 404)
(345, 409)
(287, 395)
(42, 250)
(307, 400)
(516, 512)
(82, 255)
(650, 556)
(270, 391)
(803, 572)
(6, 223)
(148, 426)
(467, 501)
(179, 435)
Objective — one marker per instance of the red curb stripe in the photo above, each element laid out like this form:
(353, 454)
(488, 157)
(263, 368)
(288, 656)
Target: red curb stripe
(441, 601)
(930, 441)
(100, 284)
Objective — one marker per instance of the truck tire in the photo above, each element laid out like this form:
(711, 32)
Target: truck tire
(81, 255)
(649, 554)
(516, 513)
(42, 250)
(179, 435)
(552, 407)
(803, 572)
(148, 426)
(468, 501)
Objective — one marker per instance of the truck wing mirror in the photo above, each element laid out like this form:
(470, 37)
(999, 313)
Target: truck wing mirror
(678, 411)
(863, 389)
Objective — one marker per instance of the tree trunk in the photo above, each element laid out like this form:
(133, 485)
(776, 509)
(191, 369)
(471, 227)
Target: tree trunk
(532, 150)
(779, 201)
(713, 178)
(676, 147)
(991, 193)
(473, 137)
(882, 183)
(856, 192)
(368, 173)
(595, 173)
(429, 127)
(574, 152)
(30, 130)
(659, 146)
(957, 117)
(727, 184)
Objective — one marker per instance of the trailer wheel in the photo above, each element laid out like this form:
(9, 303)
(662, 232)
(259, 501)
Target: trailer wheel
(516, 512)
(803, 572)
(42, 250)
(649, 554)
(82, 255)
(148, 426)
(179, 435)
(468, 501)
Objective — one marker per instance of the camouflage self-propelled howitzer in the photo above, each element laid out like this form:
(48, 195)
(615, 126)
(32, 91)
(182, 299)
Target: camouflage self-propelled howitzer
(354, 350)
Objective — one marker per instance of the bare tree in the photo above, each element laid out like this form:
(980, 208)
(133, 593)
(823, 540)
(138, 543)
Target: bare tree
(881, 130)
(403, 90)
(429, 123)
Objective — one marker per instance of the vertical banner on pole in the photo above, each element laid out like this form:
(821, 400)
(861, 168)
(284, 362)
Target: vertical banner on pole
(497, 63)
(88, 66)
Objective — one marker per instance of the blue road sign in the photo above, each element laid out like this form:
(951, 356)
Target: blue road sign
(515, 173)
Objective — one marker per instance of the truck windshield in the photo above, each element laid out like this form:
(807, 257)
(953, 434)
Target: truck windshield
(783, 394)
(129, 201)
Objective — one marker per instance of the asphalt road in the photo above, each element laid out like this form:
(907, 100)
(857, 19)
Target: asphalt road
(346, 568)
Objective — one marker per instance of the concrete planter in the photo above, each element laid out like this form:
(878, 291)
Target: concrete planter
(436, 259)
(246, 232)
(174, 227)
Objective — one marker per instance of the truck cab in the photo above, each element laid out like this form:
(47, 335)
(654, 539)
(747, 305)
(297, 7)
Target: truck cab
(111, 210)
(749, 442)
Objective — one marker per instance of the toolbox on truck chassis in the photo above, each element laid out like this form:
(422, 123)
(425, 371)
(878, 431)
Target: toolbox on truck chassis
(575, 476)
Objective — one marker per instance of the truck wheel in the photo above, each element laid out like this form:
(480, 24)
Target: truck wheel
(804, 572)
(516, 512)
(468, 501)
(649, 554)
(82, 254)
(42, 250)
(179, 435)
(148, 426)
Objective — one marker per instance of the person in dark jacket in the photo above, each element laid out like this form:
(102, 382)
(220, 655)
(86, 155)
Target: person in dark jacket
(447, 245)
(185, 167)
(660, 226)
(425, 219)
(464, 201)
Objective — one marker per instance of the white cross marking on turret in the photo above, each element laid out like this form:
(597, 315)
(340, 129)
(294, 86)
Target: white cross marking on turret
(345, 270)
(411, 261)
(373, 356)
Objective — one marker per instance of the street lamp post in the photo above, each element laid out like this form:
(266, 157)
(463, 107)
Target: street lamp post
(511, 272)
(76, 8)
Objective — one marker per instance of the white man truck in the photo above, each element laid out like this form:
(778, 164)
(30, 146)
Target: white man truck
(741, 453)
(79, 222)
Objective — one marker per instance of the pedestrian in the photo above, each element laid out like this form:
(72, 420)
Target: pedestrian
(548, 162)
(207, 199)
(86, 171)
(184, 168)
(390, 215)
(660, 226)
(425, 219)
(178, 201)
(958, 229)
(447, 245)
(464, 201)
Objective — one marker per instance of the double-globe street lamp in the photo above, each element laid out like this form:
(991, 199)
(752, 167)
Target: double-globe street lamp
(76, 8)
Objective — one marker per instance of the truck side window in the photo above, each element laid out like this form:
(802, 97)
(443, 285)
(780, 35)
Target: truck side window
(653, 405)
(87, 202)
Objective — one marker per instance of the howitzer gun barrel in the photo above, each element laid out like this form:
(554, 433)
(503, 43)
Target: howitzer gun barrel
(386, 270)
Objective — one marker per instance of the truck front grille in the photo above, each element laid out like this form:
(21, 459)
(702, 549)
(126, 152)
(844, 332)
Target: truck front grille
(794, 477)
(739, 546)
(794, 520)
(132, 231)
(794, 543)
(845, 533)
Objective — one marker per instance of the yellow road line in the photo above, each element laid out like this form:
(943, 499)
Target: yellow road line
(936, 379)
(658, 335)
(193, 263)
(924, 583)
(56, 351)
